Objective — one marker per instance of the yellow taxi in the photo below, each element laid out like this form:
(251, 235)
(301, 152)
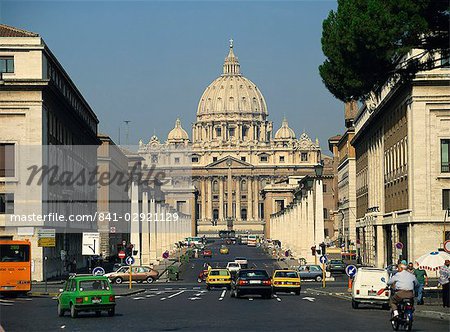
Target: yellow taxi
(218, 278)
(224, 250)
(286, 281)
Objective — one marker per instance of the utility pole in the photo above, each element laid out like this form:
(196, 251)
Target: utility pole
(127, 122)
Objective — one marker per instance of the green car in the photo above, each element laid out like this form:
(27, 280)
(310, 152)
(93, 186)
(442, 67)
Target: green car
(86, 293)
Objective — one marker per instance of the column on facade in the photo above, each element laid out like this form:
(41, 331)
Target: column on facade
(203, 194)
(319, 222)
(297, 229)
(306, 245)
(221, 196)
(230, 194)
(238, 198)
(249, 198)
(209, 196)
(310, 219)
(153, 231)
(134, 222)
(380, 262)
(256, 198)
(145, 230)
(159, 232)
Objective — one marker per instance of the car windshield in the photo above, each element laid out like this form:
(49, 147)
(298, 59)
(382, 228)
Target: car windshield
(336, 262)
(240, 259)
(92, 285)
(253, 274)
(286, 274)
(233, 265)
(218, 273)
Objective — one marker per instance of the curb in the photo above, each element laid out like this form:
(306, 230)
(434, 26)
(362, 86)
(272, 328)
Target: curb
(132, 292)
(432, 314)
(43, 294)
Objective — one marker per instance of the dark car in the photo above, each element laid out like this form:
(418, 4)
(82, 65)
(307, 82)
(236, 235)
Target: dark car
(252, 282)
(336, 265)
(314, 272)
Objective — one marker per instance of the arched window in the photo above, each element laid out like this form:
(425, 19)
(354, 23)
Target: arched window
(215, 186)
(215, 214)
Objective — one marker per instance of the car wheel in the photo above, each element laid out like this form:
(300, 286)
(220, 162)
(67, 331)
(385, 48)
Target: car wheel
(208, 287)
(385, 306)
(268, 296)
(319, 278)
(297, 292)
(237, 294)
(355, 304)
(73, 311)
(231, 293)
(60, 310)
(98, 313)
(111, 312)
(149, 280)
(118, 280)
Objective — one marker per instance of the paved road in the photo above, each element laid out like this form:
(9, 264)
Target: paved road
(187, 306)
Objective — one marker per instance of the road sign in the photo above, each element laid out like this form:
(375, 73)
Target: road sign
(121, 254)
(98, 271)
(323, 259)
(165, 254)
(46, 237)
(91, 244)
(129, 260)
(447, 246)
(399, 245)
(351, 270)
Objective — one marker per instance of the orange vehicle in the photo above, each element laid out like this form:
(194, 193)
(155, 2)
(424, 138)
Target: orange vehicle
(15, 266)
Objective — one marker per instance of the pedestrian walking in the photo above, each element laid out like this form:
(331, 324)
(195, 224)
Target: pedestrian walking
(422, 278)
(444, 280)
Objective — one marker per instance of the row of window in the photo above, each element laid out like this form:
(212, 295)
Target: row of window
(6, 64)
(6, 203)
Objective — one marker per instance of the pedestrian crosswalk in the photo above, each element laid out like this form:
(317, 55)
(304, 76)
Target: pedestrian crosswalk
(11, 302)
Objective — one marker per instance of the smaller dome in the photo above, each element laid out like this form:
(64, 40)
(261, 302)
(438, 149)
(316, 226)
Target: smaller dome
(285, 132)
(178, 133)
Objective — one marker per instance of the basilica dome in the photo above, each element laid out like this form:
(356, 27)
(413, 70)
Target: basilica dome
(232, 92)
(177, 133)
(285, 132)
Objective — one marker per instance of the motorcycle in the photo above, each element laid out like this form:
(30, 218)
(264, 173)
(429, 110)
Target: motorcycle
(202, 276)
(405, 310)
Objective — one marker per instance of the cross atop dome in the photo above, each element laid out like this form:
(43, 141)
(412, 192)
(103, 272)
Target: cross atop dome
(231, 43)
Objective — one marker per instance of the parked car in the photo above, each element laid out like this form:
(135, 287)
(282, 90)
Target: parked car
(242, 261)
(367, 282)
(336, 265)
(207, 253)
(218, 278)
(86, 293)
(286, 281)
(252, 282)
(311, 271)
(138, 273)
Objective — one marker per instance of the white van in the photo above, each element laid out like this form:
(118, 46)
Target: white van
(366, 283)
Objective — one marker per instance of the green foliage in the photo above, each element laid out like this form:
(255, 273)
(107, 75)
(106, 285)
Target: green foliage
(364, 42)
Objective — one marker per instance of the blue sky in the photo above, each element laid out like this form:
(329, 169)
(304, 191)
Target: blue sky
(149, 61)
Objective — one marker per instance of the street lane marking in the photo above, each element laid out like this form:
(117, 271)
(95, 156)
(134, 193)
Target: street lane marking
(250, 299)
(196, 287)
(310, 299)
(168, 288)
(138, 298)
(6, 301)
(163, 298)
(183, 288)
(195, 298)
(176, 294)
(6, 304)
(150, 295)
(222, 295)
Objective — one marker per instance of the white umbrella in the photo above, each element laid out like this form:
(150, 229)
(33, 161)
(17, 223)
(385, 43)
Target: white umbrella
(432, 261)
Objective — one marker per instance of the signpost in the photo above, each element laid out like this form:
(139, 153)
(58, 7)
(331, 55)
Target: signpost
(121, 255)
(350, 270)
(165, 255)
(91, 244)
(98, 271)
(447, 246)
(323, 259)
(129, 261)
(46, 237)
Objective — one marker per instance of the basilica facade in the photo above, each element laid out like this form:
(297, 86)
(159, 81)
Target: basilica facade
(235, 170)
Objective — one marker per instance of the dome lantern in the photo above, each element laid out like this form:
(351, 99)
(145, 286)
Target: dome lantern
(231, 65)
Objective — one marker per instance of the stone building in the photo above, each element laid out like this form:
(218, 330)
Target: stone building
(401, 142)
(233, 155)
(44, 122)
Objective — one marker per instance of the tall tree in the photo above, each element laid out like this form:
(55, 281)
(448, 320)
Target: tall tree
(365, 43)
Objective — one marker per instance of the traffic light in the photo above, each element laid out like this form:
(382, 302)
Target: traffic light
(323, 246)
(313, 250)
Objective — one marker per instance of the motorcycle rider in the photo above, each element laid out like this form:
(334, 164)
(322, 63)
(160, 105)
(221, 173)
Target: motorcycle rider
(404, 283)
